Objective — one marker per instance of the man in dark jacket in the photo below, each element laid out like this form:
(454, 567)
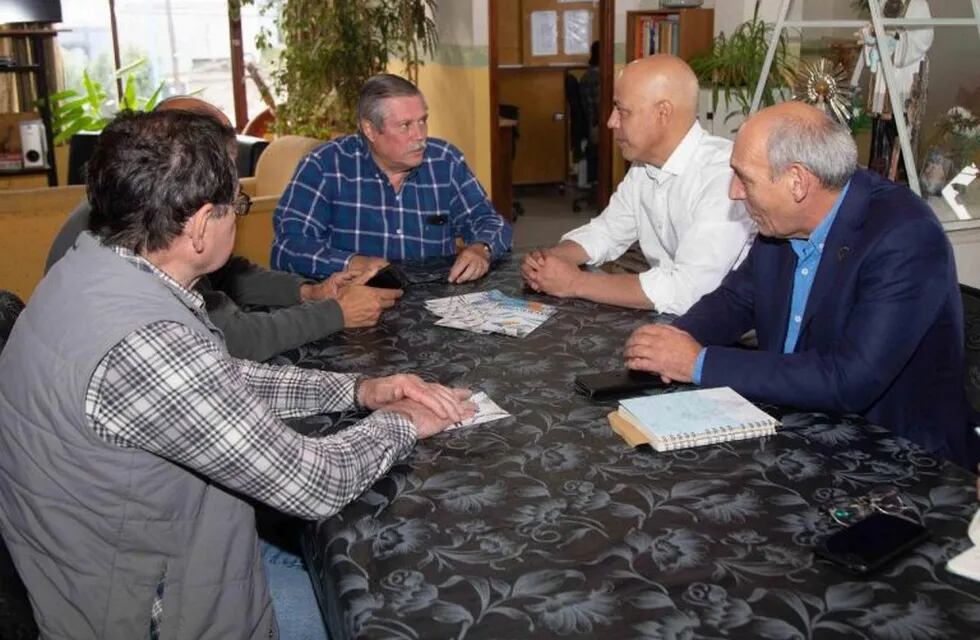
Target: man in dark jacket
(851, 288)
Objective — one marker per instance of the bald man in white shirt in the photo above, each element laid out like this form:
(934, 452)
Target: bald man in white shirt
(673, 201)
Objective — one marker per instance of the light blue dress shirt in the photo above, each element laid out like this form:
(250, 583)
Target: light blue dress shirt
(808, 253)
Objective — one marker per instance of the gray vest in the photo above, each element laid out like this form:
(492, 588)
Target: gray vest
(95, 529)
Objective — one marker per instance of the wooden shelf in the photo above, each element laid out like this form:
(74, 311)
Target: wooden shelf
(32, 62)
(31, 32)
(693, 34)
(23, 172)
(20, 68)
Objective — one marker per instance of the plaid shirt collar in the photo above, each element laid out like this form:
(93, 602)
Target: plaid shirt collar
(192, 299)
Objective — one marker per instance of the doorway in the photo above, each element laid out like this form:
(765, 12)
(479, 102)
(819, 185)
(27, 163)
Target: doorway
(538, 159)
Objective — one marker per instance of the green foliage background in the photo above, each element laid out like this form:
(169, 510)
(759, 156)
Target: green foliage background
(330, 47)
(733, 65)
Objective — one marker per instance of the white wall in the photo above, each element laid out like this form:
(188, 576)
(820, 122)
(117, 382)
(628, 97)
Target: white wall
(454, 21)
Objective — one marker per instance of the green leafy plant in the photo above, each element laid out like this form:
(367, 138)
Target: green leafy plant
(330, 47)
(733, 65)
(72, 111)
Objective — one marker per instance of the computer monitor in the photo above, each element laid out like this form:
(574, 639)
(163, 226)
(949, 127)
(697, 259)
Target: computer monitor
(13, 11)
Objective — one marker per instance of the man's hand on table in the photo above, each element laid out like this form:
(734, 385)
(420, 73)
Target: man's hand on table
(471, 263)
(663, 349)
(330, 288)
(548, 273)
(362, 306)
(429, 406)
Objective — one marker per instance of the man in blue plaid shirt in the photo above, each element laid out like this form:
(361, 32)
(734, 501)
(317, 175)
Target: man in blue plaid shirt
(388, 192)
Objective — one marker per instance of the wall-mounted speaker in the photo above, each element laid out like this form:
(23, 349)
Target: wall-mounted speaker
(33, 145)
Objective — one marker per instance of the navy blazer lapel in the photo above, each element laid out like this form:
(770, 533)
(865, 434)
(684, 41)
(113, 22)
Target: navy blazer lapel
(839, 249)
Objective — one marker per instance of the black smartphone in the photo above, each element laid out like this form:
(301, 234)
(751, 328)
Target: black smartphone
(388, 277)
(611, 384)
(871, 543)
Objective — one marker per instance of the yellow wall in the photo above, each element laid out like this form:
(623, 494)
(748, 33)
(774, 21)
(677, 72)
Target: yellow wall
(30, 219)
(459, 110)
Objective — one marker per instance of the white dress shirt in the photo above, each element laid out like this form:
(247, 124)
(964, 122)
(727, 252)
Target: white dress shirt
(691, 234)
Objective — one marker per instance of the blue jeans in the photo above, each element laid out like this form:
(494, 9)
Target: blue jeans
(292, 595)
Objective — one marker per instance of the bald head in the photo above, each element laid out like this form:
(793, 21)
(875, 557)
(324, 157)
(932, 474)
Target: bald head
(666, 77)
(194, 105)
(799, 133)
(656, 104)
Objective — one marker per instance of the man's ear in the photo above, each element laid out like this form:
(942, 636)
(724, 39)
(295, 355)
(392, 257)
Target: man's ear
(800, 182)
(197, 225)
(665, 109)
(369, 131)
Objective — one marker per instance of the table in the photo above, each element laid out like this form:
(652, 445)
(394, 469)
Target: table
(547, 525)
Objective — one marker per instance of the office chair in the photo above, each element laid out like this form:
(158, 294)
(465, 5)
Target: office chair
(580, 142)
(512, 112)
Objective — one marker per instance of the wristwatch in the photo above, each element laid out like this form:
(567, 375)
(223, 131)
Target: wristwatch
(487, 247)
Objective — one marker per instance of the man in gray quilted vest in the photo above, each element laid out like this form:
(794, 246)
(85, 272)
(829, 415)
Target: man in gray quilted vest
(128, 435)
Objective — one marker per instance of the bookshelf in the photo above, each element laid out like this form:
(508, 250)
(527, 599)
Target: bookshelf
(682, 32)
(29, 61)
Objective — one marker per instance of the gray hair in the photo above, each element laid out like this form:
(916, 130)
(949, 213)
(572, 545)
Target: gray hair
(375, 91)
(822, 145)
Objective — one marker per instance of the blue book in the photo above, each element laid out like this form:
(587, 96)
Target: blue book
(694, 418)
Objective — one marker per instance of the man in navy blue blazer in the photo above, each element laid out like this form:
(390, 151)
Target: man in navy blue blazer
(850, 286)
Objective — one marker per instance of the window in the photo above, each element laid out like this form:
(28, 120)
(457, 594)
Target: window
(86, 44)
(183, 45)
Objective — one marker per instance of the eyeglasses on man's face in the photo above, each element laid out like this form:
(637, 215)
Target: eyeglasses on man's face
(847, 511)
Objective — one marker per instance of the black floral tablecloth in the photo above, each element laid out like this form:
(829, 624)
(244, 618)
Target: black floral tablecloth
(546, 525)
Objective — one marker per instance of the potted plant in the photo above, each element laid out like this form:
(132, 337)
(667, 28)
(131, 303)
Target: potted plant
(733, 65)
(73, 112)
(86, 112)
(330, 47)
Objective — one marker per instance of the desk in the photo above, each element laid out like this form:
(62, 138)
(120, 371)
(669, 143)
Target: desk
(546, 525)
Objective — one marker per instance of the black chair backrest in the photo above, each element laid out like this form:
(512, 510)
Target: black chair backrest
(578, 123)
(249, 150)
(81, 146)
(80, 149)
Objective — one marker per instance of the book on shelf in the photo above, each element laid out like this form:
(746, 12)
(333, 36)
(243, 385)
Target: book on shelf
(690, 419)
(657, 34)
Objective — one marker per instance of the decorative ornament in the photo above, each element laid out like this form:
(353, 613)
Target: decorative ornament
(824, 85)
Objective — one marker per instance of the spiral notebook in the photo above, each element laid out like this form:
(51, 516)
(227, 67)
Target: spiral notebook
(690, 419)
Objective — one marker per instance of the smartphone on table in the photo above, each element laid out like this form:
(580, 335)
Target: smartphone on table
(871, 543)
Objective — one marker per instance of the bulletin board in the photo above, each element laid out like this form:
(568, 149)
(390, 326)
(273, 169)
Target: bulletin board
(557, 31)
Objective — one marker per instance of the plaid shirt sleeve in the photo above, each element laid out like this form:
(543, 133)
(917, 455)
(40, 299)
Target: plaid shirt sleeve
(474, 218)
(302, 233)
(171, 391)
